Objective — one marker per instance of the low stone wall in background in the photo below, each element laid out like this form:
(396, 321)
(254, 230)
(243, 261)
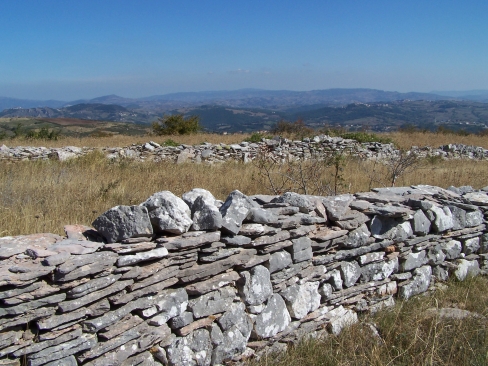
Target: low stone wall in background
(197, 281)
(277, 148)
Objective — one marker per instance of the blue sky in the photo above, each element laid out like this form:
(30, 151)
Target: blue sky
(82, 49)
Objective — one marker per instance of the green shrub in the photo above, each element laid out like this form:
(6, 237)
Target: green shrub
(170, 142)
(176, 124)
(361, 136)
(43, 134)
(257, 137)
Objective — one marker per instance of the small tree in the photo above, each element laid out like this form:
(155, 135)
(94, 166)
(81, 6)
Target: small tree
(398, 164)
(176, 124)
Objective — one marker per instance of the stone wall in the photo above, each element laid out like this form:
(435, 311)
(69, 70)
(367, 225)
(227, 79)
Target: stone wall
(196, 281)
(280, 149)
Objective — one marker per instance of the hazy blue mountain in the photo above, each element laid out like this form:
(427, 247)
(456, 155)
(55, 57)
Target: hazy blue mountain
(6, 103)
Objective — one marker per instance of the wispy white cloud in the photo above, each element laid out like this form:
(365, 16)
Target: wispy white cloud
(239, 71)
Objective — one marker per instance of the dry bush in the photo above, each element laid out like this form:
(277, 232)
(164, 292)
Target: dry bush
(408, 334)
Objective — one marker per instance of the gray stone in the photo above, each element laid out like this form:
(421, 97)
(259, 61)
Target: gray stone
(128, 260)
(236, 240)
(357, 238)
(466, 268)
(301, 250)
(259, 215)
(474, 218)
(341, 318)
(234, 211)
(477, 198)
(458, 217)
(31, 305)
(440, 273)
(325, 291)
(93, 285)
(212, 284)
(257, 230)
(435, 255)
(183, 243)
(471, 245)
(337, 206)
(255, 286)
(379, 270)
(237, 317)
(191, 196)
(205, 215)
(420, 223)
(233, 344)
(443, 219)
(94, 296)
(301, 299)
(168, 213)
(122, 222)
(12, 245)
(212, 303)
(217, 255)
(67, 361)
(335, 279)
(194, 349)
(371, 257)
(413, 260)
(273, 319)
(296, 200)
(173, 303)
(266, 240)
(390, 228)
(278, 261)
(452, 249)
(83, 265)
(74, 247)
(419, 283)
(350, 272)
(50, 354)
(181, 320)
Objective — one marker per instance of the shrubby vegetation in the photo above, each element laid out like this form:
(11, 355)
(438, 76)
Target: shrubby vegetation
(176, 124)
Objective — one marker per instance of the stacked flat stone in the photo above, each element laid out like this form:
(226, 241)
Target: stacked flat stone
(197, 281)
(279, 149)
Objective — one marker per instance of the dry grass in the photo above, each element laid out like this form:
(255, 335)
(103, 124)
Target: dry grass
(407, 140)
(124, 140)
(408, 334)
(43, 196)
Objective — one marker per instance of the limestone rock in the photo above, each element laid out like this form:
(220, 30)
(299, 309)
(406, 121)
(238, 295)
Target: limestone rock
(168, 213)
(205, 215)
(419, 283)
(234, 211)
(255, 286)
(301, 299)
(273, 319)
(122, 222)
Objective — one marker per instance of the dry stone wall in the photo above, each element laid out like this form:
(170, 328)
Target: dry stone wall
(278, 148)
(197, 281)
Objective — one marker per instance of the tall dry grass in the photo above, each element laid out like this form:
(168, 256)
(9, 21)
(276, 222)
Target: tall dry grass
(408, 334)
(406, 140)
(43, 196)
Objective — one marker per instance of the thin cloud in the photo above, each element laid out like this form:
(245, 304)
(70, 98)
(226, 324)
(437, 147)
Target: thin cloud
(239, 71)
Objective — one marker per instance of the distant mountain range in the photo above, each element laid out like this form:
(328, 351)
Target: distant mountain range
(254, 109)
(252, 98)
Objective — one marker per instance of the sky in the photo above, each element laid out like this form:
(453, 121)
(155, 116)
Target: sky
(69, 50)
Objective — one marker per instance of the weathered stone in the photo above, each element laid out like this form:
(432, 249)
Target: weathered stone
(128, 260)
(212, 303)
(173, 302)
(443, 219)
(168, 213)
(352, 220)
(295, 200)
(181, 320)
(12, 245)
(23, 308)
(257, 230)
(194, 349)
(420, 223)
(301, 250)
(126, 323)
(219, 254)
(412, 261)
(71, 246)
(337, 206)
(419, 283)
(260, 215)
(56, 259)
(191, 196)
(214, 283)
(50, 354)
(452, 249)
(234, 211)
(131, 248)
(435, 255)
(379, 270)
(466, 268)
(474, 218)
(370, 257)
(94, 296)
(274, 247)
(477, 198)
(357, 237)
(301, 299)
(266, 240)
(278, 261)
(340, 318)
(205, 215)
(122, 222)
(182, 243)
(471, 245)
(237, 240)
(92, 285)
(350, 273)
(273, 319)
(83, 265)
(205, 270)
(255, 286)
